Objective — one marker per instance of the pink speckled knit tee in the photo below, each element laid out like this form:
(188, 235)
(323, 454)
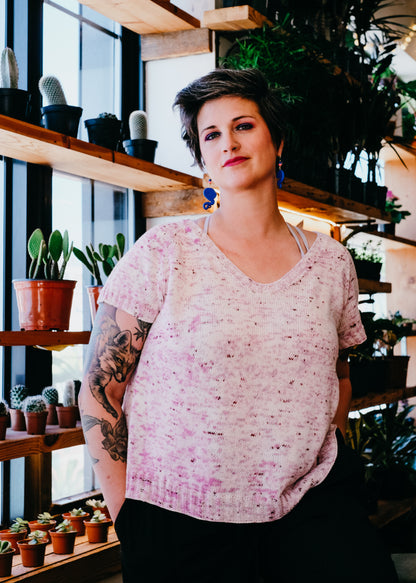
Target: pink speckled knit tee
(229, 412)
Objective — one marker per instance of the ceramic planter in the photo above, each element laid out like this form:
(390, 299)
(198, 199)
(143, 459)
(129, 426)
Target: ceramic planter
(13, 538)
(32, 555)
(4, 421)
(44, 304)
(143, 149)
(77, 522)
(367, 269)
(17, 419)
(36, 422)
(52, 418)
(104, 132)
(14, 103)
(61, 118)
(97, 532)
(67, 416)
(35, 525)
(63, 542)
(93, 295)
(6, 562)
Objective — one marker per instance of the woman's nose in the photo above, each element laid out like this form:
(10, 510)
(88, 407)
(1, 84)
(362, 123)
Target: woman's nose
(230, 145)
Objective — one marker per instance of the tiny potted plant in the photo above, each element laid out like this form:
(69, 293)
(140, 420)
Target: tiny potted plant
(67, 411)
(4, 418)
(104, 130)
(18, 530)
(100, 505)
(76, 517)
(97, 527)
(57, 115)
(6, 558)
(18, 394)
(367, 259)
(397, 214)
(63, 538)
(14, 102)
(36, 413)
(44, 300)
(107, 255)
(50, 394)
(44, 522)
(139, 145)
(32, 549)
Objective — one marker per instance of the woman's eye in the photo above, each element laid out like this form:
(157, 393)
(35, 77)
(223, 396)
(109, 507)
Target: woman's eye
(211, 136)
(245, 126)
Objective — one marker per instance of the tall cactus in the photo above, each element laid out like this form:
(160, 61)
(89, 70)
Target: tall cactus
(51, 90)
(9, 71)
(138, 125)
(68, 396)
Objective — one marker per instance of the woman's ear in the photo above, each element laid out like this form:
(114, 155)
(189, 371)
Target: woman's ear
(280, 149)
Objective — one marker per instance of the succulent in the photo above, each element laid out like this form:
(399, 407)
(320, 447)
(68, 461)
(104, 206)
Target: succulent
(44, 518)
(106, 254)
(68, 397)
(138, 125)
(106, 115)
(18, 394)
(19, 525)
(50, 394)
(96, 503)
(51, 90)
(5, 546)
(77, 512)
(9, 71)
(34, 404)
(37, 537)
(47, 256)
(4, 408)
(64, 526)
(98, 516)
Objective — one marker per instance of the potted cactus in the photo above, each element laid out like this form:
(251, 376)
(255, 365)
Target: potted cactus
(50, 394)
(18, 394)
(57, 115)
(14, 102)
(45, 299)
(18, 530)
(97, 527)
(6, 558)
(63, 538)
(104, 130)
(138, 145)
(34, 408)
(68, 411)
(32, 549)
(107, 255)
(76, 517)
(4, 418)
(44, 522)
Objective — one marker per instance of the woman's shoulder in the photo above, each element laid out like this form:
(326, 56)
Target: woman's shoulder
(166, 233)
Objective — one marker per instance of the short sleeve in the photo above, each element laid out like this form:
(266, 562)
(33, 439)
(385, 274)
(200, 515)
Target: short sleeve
(137, 283)
(350, 330)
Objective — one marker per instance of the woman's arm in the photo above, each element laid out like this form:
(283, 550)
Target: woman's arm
(113, 353)
(345, 391)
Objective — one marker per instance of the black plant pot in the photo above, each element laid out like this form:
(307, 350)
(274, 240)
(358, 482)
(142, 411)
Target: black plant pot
(144, 149)
(14, 103)
(104, 132)
(367, 269)
(61, 118)
(389, 228)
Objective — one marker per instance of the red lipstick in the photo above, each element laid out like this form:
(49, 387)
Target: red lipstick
(235, 161)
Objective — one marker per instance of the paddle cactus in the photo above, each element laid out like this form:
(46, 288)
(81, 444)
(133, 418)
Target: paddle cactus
(51, 90)
(9, 71)
(18, 394)
(34, 404)
(50, 394)
(106, 254)
(138, 125)
(47, 256)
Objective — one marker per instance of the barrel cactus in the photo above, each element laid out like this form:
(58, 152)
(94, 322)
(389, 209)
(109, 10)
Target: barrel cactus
(106, 115)
(51, 90)
(50, 394)
(138, 125)
(4, 408)
(18, 394)
(34, 404)
(9, 71)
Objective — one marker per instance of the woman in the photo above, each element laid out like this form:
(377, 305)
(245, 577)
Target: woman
(220, 344)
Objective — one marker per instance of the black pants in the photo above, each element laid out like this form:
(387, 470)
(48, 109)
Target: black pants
(326, 538)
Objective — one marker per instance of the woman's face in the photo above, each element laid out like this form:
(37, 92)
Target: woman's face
(236, 144)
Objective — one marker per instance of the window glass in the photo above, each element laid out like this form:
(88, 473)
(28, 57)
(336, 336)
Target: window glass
(69, 5)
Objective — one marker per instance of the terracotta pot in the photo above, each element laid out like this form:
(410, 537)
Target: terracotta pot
(35, 525)
(6, 561)
(67, 416)
(44, 304)
(32, 555)
(102, 510)
(97, 532)
(13, 537)
(17, 418)
(4, 421)
(36, 422)
(93, 294)
(52, 418)
(77, 522)
(63, 542)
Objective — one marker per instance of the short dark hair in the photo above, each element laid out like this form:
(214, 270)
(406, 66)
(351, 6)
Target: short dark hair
(247, 83)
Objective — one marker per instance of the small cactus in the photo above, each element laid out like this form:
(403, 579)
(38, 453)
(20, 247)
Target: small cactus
(44, 518)
(98, 516)
(96, 503)
(4, 408)
(19, 525)
(68, 397)
(18, 394)
(34, 404)
(64, 526)
(5, 546)
(50, 394)
(138, 125)
(108, 255)
(77, 512)
(9, 71)
(51, 90)
(106, 115)
(37, 537)
(47, 256)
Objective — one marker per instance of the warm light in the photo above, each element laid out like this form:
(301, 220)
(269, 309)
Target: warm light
(308, 216)
(413, 26)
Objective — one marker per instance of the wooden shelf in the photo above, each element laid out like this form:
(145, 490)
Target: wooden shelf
(389, 510)
(374, 399)
(37, 145)
(20, 444)
(41, 338)
(369, 286)
(144, 16)
(89, 563)
(234, 18)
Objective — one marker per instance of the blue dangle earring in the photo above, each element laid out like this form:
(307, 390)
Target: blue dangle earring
(210, 195)
(280, 176)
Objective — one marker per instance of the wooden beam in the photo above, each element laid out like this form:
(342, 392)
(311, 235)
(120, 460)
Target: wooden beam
(176, 44)
(145, 16)
(234, 18)
(178, 202)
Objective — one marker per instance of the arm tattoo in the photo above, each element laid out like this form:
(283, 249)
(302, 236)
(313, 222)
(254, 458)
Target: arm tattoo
(115, 438)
